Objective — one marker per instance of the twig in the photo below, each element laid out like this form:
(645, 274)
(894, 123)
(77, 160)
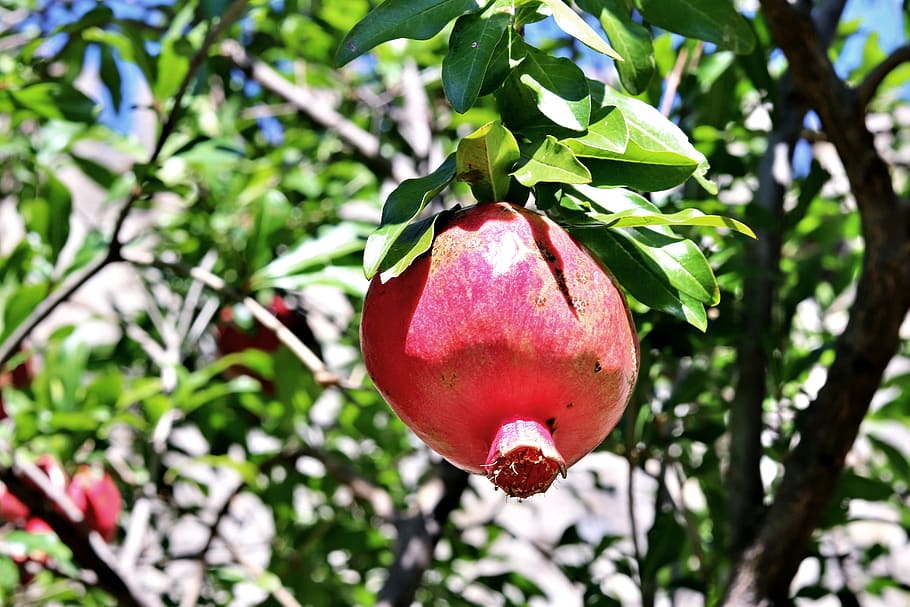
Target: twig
(363, 490)
(35, 492)
(280, 593)
(673, 80)
(365, 144)
(867, 88)
(309, 358)
(233, 12)
(691, 525)
(48, 305)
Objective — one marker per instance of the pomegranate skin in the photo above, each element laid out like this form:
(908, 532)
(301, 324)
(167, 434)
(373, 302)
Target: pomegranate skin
(506, 318)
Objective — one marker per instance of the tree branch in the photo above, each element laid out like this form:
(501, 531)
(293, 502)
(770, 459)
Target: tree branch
(829, 426)
(417, 539)
(75, 281)
(309, 358)
(867, 88)
(759, 296)
(365, 145)
(27, 482)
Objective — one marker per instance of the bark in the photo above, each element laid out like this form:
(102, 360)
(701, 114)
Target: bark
(417, 539)
(871, 338)
(762, 261)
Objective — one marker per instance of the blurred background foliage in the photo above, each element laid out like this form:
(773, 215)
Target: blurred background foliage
(246, 479)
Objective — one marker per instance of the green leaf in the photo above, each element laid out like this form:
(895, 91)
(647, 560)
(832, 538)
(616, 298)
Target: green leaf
(348, 279)
(128, 43)
(400, 209)
(683, 261)
(331, 244)
(544, 86)
(110, 77)
(416, 19)
(55, 100)
(710, 20)
(658, 155)
(635, 257)
(571, 23)
(415, 240)
(632, 40)
(666, 541)
(642, 215)
(608, 133)
(20, 304)
(174, 58)
(550, 161)
(472, 46)
(485, 158)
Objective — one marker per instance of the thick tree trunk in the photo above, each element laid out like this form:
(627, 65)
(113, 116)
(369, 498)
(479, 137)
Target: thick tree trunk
(830, 425)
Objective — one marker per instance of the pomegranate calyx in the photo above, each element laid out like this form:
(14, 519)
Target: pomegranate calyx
(523, 459)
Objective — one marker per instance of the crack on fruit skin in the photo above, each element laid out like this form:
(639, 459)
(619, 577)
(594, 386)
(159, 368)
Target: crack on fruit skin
(563, 287)
(545, 252)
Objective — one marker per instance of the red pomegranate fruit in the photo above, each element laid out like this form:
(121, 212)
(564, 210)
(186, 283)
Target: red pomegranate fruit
(93, 491)
(507, 348)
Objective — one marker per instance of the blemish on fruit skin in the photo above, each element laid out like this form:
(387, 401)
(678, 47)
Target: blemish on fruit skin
(570, 405)
(597, 366)
(551, 424)
(541, 301)
(562, 286)
(545, 252)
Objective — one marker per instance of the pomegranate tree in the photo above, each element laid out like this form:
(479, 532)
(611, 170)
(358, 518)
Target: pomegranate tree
(507, 348)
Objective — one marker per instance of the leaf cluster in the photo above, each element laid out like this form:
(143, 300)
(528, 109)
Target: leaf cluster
(581, 148)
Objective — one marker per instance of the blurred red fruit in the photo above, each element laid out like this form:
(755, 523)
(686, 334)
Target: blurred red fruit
(233, 338)
(93, 491)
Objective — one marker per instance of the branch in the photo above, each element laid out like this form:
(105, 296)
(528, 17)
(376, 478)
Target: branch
(75, 281)
(366, 145)
(755, 347)
(309, 358)
(829, 426)
(417, 538)
(28, 483)
(867, 88)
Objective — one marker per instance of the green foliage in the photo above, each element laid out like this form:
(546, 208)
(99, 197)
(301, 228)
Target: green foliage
(298, 484)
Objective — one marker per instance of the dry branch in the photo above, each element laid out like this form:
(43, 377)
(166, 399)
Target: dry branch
(365, 144)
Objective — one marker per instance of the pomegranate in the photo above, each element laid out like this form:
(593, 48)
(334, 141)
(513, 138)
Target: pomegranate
(93, 491)
(232, 338)
(507, 348)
